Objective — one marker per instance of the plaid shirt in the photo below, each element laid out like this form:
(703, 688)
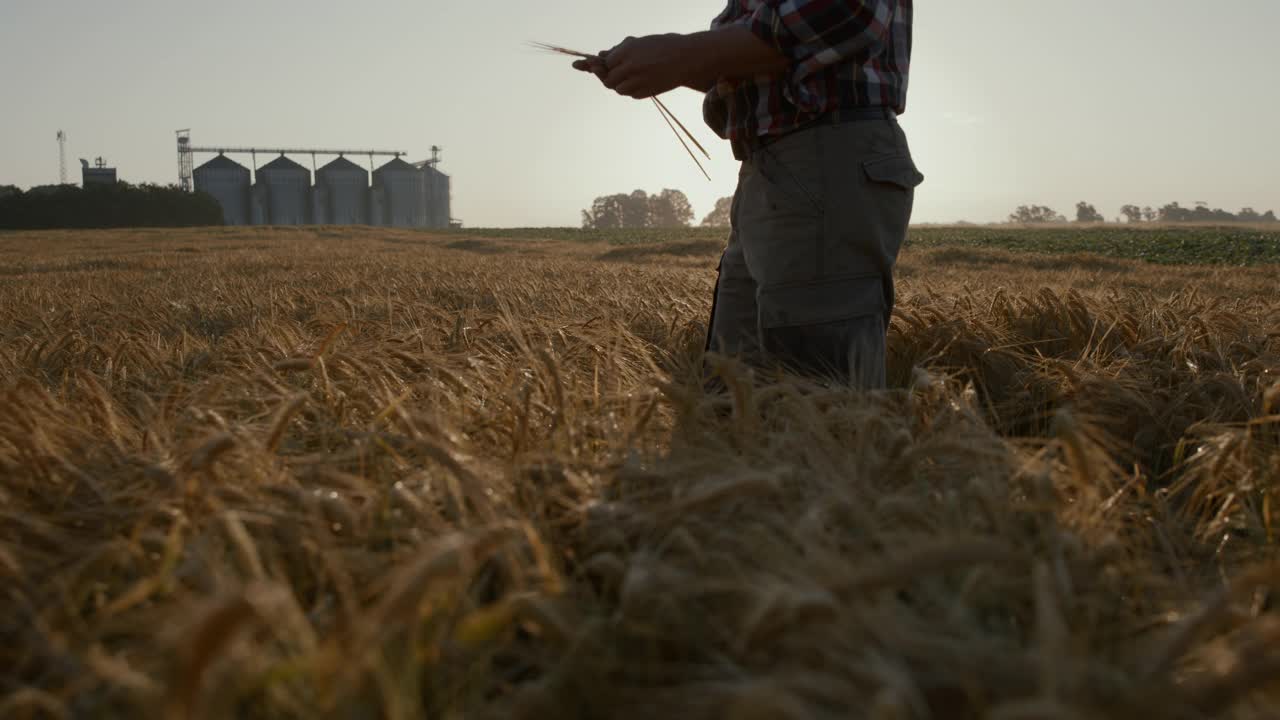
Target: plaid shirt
(844, 54)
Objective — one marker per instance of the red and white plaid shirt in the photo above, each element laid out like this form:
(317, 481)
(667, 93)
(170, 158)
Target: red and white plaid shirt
(845, 55)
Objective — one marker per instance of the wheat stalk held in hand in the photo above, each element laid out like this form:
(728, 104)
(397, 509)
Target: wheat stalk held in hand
(663, 110)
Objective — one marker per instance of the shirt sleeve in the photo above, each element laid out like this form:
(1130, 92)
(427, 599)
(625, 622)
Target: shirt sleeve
(815, 34)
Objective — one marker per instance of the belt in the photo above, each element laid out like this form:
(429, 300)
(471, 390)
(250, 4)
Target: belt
(744, 149)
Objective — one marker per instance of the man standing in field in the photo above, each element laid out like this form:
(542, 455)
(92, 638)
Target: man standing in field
(808, 93)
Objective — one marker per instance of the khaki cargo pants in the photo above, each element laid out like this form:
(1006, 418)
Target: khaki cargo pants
(807, 278)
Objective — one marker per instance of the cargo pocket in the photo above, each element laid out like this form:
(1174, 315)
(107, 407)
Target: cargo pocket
(792, 172)
(781, 223)
(895, 170)
(831, 328)
(821, 301)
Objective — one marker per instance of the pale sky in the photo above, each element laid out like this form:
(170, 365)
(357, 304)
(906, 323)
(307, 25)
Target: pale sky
(1011, 101)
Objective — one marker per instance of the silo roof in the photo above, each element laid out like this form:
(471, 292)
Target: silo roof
(395, 164)
(222, 162)
(283, 163)
(340, 163)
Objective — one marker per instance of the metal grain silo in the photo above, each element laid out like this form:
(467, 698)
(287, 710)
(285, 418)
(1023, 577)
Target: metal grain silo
(430, 192)
(288, 188)
(443, 199)
(228, 182)
(258, 206)
(377, 205)
(319, 205)
(401, 184)
(435, 192)
(346, 191)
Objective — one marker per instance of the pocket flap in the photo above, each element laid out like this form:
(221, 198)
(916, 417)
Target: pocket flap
(897, 170)
(821, 301)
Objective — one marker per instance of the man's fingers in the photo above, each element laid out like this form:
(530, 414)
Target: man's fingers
(621, 53)
(618, 73)
(591, 65)
(633, 88)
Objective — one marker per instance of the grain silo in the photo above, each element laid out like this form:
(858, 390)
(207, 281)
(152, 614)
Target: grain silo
(228, 182)
(377, 205)
(258, 201)
(427, 191)
(438, 198)
(431, 181)
(401, 184)
(288, 188)
(319, 205)
(345, 187)
(401, 194)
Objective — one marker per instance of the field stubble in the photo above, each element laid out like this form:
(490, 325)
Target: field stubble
(359, 473)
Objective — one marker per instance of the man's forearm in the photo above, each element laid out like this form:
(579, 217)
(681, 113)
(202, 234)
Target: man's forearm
(730, 53)
(651, 65)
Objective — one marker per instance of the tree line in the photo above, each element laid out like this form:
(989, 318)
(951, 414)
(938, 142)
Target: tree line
(671, 208)
(119, 205)
(1171, 213)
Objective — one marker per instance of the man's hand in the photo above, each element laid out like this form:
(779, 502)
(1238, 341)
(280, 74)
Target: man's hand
(651, 65)
(646, 66)
(595, 64)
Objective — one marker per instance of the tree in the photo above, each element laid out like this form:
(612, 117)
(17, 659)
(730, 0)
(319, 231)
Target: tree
(636, 210)
(1173, 212)
(606, 213)
(720, 216)
(1149, 215)
(1132, 213)
(1027, 214)
(1086, 213)
(1203, 213)
(670, 208)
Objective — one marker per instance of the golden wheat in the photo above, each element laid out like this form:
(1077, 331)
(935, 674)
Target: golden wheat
(358, 473)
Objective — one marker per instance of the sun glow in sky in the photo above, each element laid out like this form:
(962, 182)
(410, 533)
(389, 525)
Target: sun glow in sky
(1012, 101)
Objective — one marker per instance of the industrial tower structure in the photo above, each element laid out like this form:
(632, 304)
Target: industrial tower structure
(184, 160)
(62, 158)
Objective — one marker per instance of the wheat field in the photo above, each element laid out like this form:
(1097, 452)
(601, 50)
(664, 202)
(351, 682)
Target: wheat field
(360, 473)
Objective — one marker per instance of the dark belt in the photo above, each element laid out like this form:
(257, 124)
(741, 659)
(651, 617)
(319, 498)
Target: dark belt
(744, 149)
